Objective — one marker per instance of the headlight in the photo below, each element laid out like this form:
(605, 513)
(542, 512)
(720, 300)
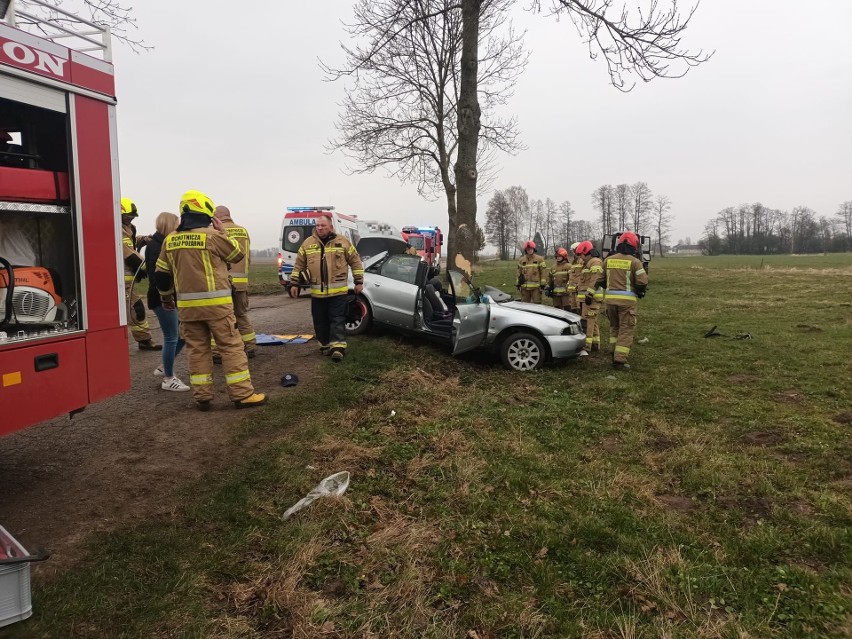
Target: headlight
(571, 329)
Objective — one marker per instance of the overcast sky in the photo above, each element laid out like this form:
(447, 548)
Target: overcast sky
(233, 103)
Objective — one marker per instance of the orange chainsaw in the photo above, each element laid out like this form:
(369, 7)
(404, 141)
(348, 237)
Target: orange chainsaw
(27, 295)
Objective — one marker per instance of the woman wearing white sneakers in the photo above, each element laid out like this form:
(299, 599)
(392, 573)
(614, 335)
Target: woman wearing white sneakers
(172, 344)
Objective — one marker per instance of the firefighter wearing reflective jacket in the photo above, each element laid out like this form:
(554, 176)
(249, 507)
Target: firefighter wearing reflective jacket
(239, 283)
(132, 261)
(532, 274)
(558, 282)
(192, 273)
(325, 259)
(574, 278)
(592, 294)
(625, 280)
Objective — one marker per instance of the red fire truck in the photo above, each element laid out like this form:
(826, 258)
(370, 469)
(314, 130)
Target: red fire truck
(63, 324)
(427, 241)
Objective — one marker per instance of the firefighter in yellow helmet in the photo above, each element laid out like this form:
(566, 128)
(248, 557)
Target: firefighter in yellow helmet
(532, 274)
(593, 295)
(574, 278)
(558, 283)
(134, 267)
(192, 273)
(239, 283)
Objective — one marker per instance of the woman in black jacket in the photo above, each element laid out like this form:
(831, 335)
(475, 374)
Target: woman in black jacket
(172, 344)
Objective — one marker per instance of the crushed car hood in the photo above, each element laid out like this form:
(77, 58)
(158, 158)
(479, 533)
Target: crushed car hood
(540, 309)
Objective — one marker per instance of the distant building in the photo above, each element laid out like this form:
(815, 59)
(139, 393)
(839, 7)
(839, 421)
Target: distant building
(687, 249)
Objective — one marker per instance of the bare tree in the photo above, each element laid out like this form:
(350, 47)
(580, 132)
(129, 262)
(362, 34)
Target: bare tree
(519, 204)
(37, 17)
(551, 225)
(500, 223)
(662, 220)
(402, 109)
(622, 204)
(844, 212)
(641, 201)
(647, 45)
(567, 214)
(602, 200)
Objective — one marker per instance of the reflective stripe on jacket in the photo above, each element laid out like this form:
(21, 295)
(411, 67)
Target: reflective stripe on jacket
(326, 264)
(559, 278)
(198, 262)
(588, 283)
(534, 270)
(239, 270)
(575, 274)
(621, 274)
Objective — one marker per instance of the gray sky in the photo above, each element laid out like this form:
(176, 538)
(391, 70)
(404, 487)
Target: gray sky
(234, 104)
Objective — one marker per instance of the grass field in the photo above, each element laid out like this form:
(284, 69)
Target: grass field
(707, 493)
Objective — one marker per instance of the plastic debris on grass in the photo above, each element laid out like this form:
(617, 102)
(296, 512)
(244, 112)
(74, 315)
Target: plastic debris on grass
(333, 485)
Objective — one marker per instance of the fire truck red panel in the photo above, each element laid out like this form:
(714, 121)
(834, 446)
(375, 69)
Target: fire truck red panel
(90, 78)
(108, 374)
(32, 185)
(41, 382)
(98, 214)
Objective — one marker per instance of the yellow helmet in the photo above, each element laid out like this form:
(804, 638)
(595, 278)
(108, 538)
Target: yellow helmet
(128, 207)
(196, 202)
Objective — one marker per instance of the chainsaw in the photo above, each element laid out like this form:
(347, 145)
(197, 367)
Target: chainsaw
(28, 295)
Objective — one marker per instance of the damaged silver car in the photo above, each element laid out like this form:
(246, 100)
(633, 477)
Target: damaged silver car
(399, 293)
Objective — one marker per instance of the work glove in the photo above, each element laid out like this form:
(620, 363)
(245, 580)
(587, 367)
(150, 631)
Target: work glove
(548, 292)
(640, 291)
(590, 298)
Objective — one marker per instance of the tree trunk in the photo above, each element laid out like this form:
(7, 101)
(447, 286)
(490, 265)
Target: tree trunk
(462, 236)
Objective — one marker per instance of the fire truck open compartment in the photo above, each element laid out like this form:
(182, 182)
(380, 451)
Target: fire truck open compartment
(38, 238)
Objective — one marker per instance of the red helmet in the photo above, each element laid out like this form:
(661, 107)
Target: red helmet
(529, 244)
(561, 252)
(629, 238)
(585, 248)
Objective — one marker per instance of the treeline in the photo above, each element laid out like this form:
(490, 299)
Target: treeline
(512, 218)
(760, 230)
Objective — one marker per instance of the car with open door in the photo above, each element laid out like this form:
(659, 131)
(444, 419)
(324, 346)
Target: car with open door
(401, 293)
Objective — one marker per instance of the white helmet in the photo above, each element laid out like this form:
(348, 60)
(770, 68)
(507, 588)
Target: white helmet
(574, 246)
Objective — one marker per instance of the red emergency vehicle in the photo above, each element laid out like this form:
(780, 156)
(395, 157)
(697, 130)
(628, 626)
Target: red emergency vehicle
(427, 241)
(63, 324)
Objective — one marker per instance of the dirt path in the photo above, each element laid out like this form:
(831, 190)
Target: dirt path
(120, 460)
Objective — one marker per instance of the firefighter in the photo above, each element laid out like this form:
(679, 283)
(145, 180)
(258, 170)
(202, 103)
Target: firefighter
(573, 278)
(558, 281)
(132, 262)
(239, 284)
(325, 258)
(625, 280)
(532, 274)
(592, 295)
(192, 273)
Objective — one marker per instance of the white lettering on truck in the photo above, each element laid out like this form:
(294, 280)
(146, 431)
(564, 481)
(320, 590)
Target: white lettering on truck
(39, 60)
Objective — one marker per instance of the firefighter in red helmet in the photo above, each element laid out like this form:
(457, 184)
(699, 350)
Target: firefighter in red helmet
(592, 296)
(626, 281)
(558, 282)
(532, 274)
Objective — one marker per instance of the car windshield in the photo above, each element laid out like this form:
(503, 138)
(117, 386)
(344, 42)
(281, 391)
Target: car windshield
(463, 291)
(416, 242)
(369, 246)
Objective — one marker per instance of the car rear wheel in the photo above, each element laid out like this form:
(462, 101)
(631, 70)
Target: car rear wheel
(359, 317)
(522, 352)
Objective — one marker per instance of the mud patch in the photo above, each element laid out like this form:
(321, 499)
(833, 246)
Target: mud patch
(741, 378)
(676, 503)
(661, 443)
(801, 508)
(843, 418)
(789, 396)
(755, 507)
(809, 328)
(762, 438)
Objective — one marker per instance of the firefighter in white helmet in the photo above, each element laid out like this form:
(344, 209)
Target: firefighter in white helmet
(192, 273)
(574, 279)
(134, 267)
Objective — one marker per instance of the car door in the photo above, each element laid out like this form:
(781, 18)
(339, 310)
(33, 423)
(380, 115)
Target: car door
(470, 317)
(393, 291)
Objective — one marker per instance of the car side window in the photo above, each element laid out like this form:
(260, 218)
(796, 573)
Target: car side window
(402, 268)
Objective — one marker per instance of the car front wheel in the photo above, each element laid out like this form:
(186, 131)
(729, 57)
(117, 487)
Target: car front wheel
(522, 352)
(359, 317)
